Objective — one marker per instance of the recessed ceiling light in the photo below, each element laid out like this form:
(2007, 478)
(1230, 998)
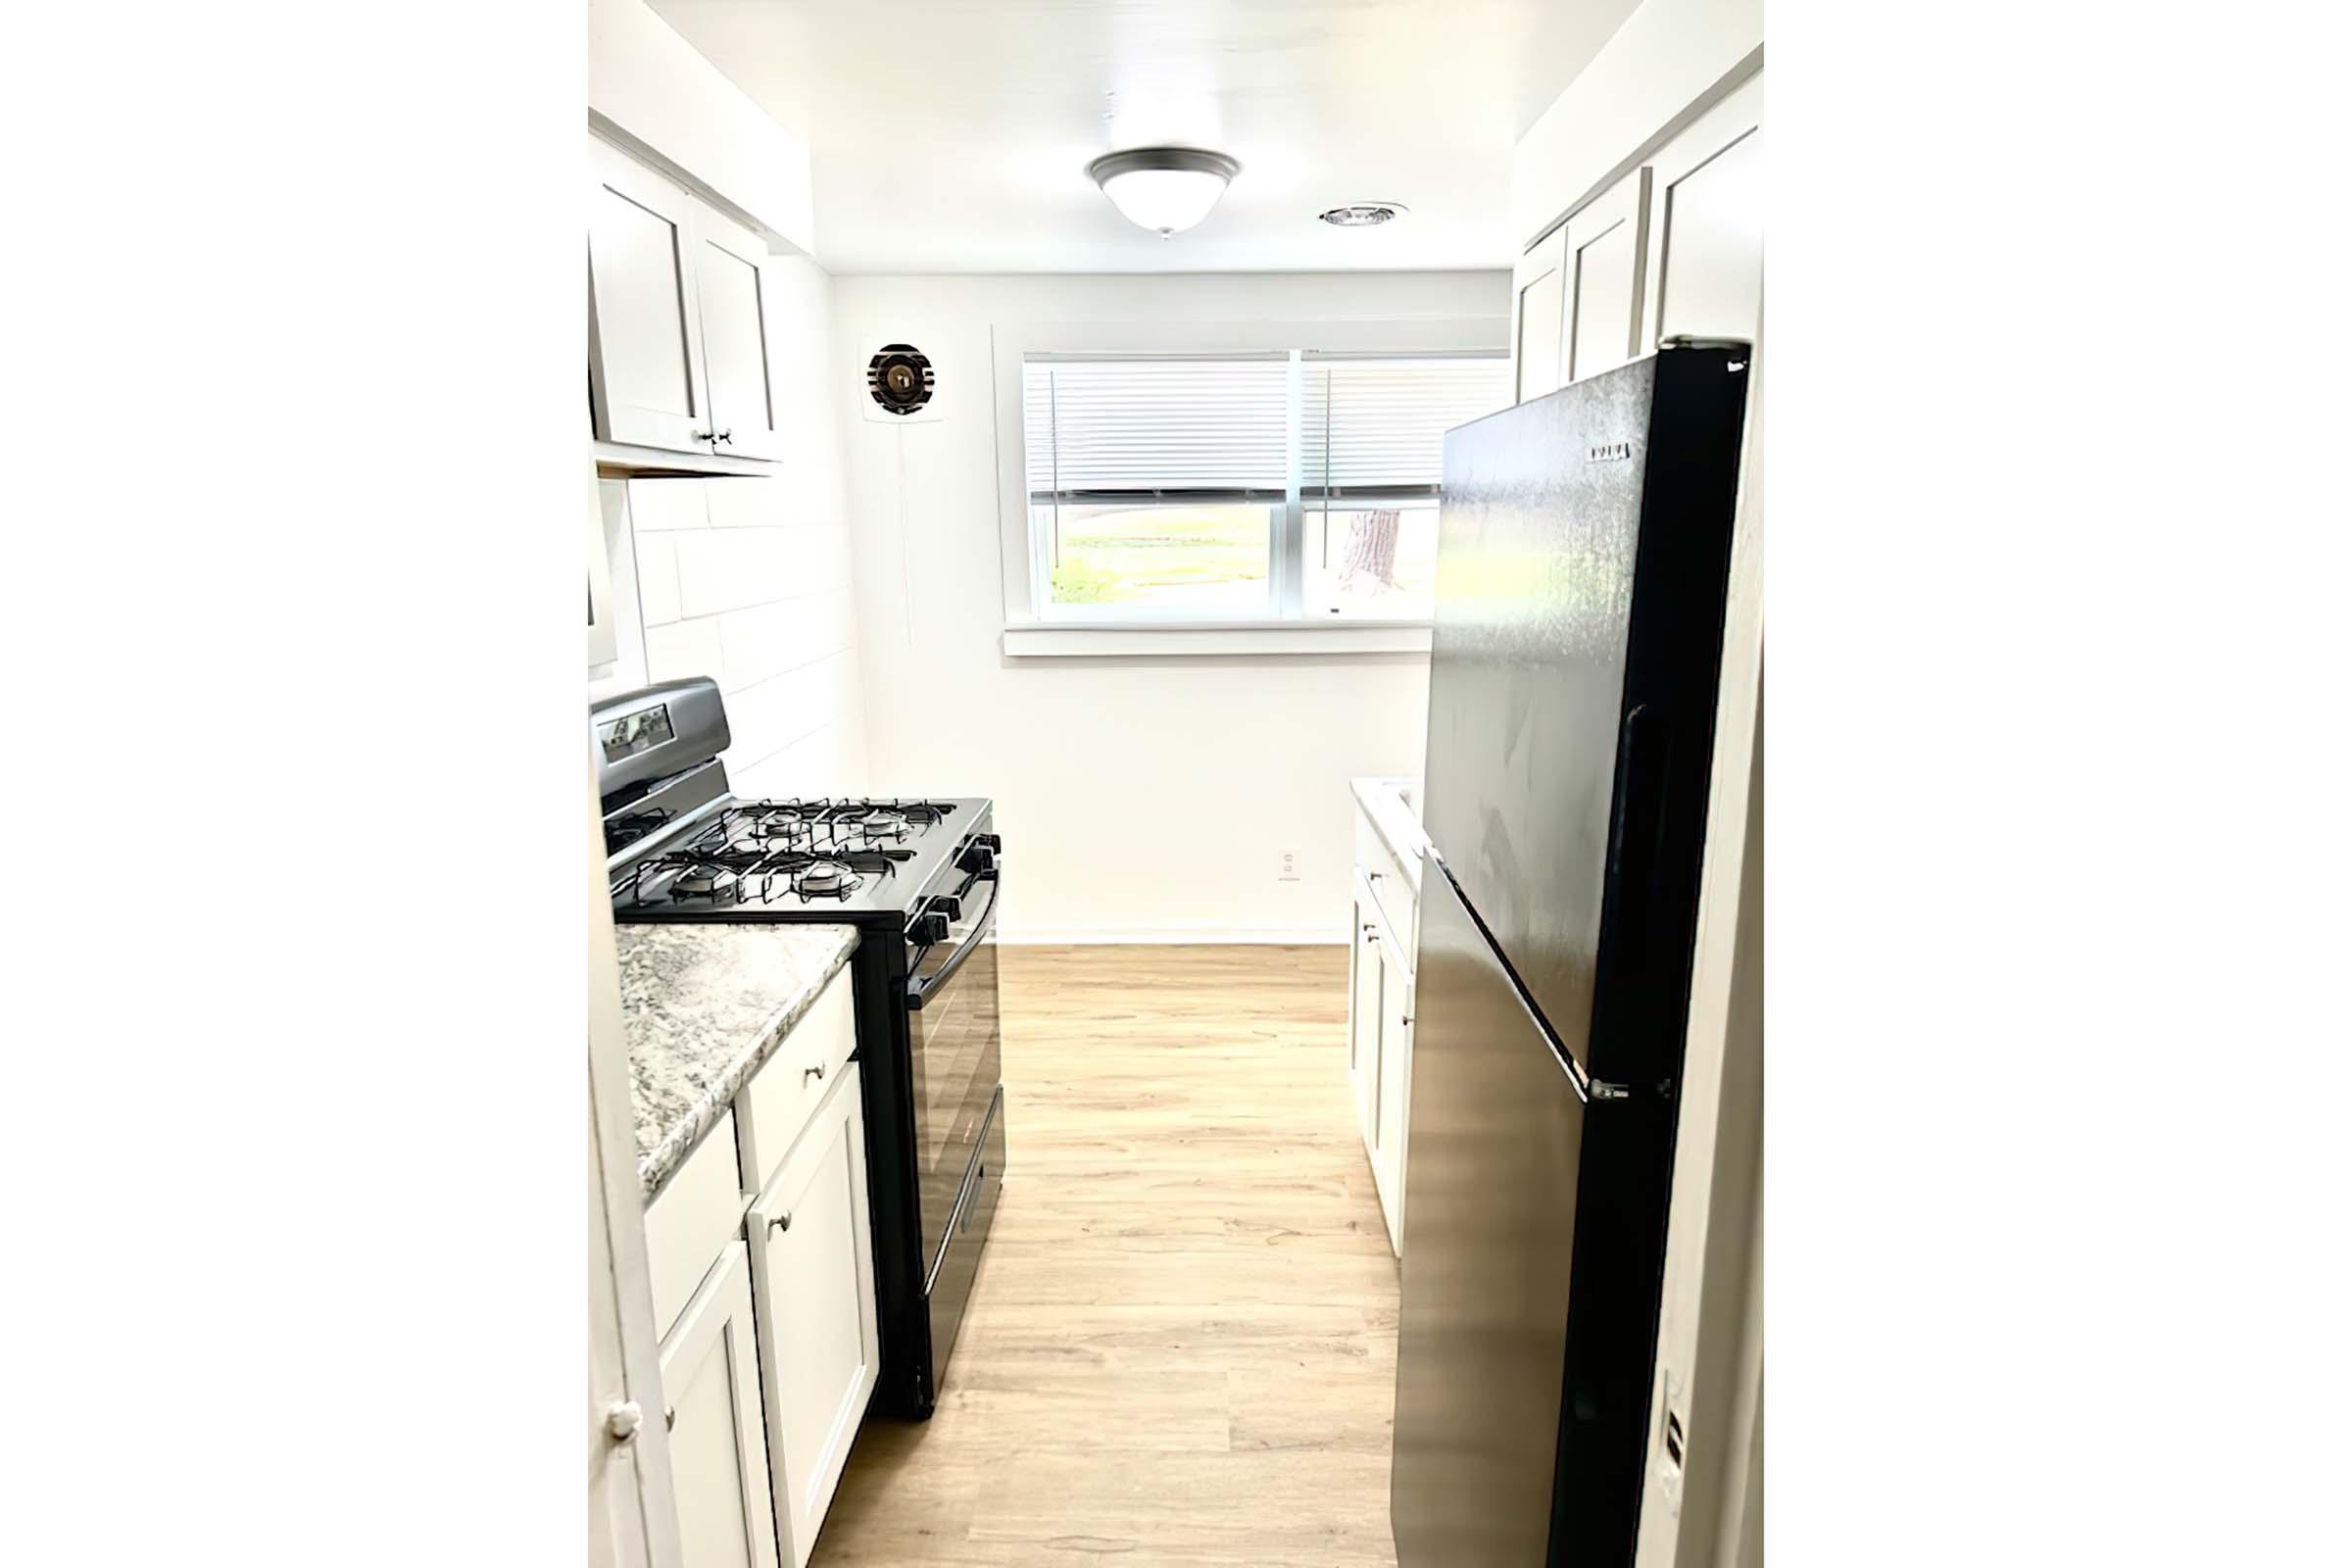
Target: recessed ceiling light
(1164, 189)
(1362, 215)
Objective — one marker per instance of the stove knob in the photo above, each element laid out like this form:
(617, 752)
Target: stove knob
(977, 858)
(927, 927)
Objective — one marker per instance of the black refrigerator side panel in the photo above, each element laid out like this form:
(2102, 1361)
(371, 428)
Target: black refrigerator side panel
(1536, 563)
(1496, 1138)
(1649, 921)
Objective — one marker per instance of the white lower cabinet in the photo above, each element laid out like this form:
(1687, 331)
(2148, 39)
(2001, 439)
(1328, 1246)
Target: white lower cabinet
(1364, 1016)
(1395, 1089)
(813, 1271)
(1380, 1009)
(719, 1452)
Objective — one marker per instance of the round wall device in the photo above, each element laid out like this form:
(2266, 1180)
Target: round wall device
(900, 378)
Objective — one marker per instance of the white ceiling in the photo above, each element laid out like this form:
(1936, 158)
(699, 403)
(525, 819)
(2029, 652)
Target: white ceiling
(952, 136)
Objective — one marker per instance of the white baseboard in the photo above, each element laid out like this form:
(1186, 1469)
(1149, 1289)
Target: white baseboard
(1164, 935)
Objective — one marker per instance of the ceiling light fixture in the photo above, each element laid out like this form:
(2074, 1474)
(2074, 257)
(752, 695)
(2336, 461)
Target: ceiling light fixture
(1164, 189)
(1362, 215)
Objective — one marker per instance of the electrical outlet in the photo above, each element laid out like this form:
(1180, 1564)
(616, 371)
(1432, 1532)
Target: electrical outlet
(1289, 868)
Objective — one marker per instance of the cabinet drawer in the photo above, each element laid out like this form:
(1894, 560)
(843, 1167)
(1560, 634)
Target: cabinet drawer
(691, 1220)
(1384, 874)
(789, 1087)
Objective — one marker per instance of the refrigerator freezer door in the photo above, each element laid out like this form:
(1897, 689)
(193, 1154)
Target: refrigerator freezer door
(1570, 710)
(1496, 1138)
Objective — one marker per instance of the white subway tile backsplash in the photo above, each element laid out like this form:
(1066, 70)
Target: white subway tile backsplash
(659, 504)
(747, 581)
(730, 568)
(682, 649)
(761, 642)
(658, 579)
(747, 503)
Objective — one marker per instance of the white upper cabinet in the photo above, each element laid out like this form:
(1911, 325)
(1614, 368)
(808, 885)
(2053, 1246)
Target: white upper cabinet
(644, 337)
(1707, 237)
(1605, 248)
(1538, 300)
(678, 310)
(735, 311)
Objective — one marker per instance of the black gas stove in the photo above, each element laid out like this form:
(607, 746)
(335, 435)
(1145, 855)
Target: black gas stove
(919, 879)
(745, 859)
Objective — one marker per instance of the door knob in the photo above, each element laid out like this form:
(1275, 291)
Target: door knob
(622, 1418)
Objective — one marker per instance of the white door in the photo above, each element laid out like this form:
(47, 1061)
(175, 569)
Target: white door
(645, 355)
(1706, 246)
(1537, 299)
(814, 1264)
(1605, 247)
(717, 1452)
(735, 311)
(1363, 1019)
(1395, 1073)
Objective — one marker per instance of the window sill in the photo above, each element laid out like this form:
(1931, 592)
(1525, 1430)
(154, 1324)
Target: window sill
(1130, 640)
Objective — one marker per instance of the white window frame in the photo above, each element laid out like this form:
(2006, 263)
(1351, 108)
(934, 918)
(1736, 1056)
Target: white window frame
(1030, 633)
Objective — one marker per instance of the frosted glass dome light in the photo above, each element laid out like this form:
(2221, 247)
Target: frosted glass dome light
(1164, 189)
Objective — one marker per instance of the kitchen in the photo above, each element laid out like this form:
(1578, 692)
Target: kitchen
(1167, 803)
(1011, 671)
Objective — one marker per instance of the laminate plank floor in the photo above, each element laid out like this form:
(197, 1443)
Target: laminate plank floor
(1181, 1348)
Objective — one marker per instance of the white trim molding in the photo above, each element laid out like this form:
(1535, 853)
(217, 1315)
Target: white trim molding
(1064, 640)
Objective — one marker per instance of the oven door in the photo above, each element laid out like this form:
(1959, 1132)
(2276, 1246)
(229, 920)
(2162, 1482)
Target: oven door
(952, 1024)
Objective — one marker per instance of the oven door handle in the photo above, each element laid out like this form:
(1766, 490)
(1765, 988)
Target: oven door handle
(919, 992)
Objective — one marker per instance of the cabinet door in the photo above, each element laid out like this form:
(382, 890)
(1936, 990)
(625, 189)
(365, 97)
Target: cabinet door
(1395, 1098)
(717, 1450)
(1606, 246)
(735, 310)
(1363, 1018)
(1706, 245)
(645, 356)
(813, 1276)
(1539, 295)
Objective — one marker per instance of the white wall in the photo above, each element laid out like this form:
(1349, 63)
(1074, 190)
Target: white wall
(747, 580)
(1666, 60)
(1141, 799)
(660, 94)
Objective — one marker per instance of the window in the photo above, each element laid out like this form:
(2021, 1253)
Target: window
(1246, 489)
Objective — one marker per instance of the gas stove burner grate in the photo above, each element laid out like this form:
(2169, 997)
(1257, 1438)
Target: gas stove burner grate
(825, 879)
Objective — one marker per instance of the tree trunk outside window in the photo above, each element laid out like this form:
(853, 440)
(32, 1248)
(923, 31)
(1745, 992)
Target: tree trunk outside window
(1371, 550)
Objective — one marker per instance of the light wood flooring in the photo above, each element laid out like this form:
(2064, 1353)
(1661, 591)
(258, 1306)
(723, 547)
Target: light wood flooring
(1181, 1345)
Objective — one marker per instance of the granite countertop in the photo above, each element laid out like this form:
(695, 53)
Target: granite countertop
(1393, 806)
(703, 1007)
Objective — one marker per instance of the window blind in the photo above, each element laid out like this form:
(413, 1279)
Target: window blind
(1131, 427)
(1372, 426)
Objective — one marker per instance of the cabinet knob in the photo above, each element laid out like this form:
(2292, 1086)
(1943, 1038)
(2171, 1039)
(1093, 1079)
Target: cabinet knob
(669, 1418)
(816, 1072)
(1371, 876)
(782, 1222)
(701, 435)
(622, 1418)
(728, 436)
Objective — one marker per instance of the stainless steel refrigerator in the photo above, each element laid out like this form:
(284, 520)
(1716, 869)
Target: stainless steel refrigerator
(1584, 545)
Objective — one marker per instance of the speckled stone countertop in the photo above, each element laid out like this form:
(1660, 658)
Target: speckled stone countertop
(703, 1007)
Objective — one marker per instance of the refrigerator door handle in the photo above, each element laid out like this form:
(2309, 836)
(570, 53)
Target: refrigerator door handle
(1642, 747)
